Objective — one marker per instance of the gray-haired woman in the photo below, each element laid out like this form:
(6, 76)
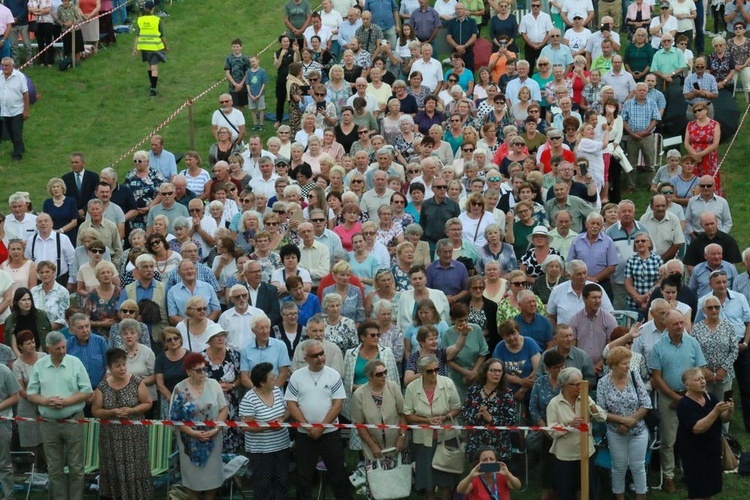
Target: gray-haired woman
(564, 410)
(431, 399)
(552, 275)
(413, 235)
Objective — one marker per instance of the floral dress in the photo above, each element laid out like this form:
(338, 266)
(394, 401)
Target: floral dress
(343, 334)
(123, 449)
(267, 264)
(385, 236)
(720, 68)
(419, 95)
(144, 191)
(401, 279)
(506, 311)
(228, 372)
(100, 309)
(501, 407)
(478, 317)
(719, 347)
(295, 112)
(701, 138)
(404, 219)
(338, 97)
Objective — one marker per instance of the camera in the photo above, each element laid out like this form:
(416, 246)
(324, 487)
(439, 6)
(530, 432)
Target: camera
(383, 42)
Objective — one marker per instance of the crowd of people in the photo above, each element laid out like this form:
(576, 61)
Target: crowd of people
(415, 246)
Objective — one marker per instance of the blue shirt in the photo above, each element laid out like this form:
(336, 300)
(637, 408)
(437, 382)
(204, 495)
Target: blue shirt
(92, 354)
(140, 293)
(519, 363)
(205, 274)
(451, 280)
(382, 12)
(539, 330)
(256, 79)
(735, 310)
(598, 255)
(165, 163)
(275, 353)
(179, 294)
(310, 308)
(699, 278)
(639, 115)
(673, 359)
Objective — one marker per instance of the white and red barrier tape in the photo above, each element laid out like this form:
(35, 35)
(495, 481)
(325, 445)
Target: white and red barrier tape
(281, 425)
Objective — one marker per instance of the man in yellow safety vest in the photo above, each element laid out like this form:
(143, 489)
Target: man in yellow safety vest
(152, 43)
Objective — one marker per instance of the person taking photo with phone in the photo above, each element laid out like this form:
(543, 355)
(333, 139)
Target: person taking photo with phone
(488, 477)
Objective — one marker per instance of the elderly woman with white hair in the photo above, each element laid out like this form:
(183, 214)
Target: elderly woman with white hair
(100, 304)
(352, 302)
(552, 275)
(196, 328)
(314, 153)
(405, 140)
(251, 223)
(564, 410)
(143, 181)
(340, 330)
(391, 335)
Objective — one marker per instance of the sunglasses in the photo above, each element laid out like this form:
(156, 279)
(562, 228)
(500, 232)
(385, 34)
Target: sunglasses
(199, 309)
(240, 296)
(200, 370)
(668, 191)
(319, 95)
(318, 220)
(413, 171)
(96, 250)
(363, 132)
(713, 308)
(357, 181)
(707, 185)
(172, 339)
(494, 179)
(316, 355)
(225, 101)
(247, 200)
(167, 193)
(128, 311)
(139, 161)
(440, 187)
(381, 374)
(468, 150)
(432, 371)
(518, 283)
(374, 335)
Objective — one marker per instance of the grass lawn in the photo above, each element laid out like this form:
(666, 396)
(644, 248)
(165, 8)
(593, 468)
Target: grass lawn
(102, 108)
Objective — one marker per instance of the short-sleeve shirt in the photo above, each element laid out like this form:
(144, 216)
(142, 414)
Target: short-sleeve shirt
(673, 359)
(272, 440)
(275, 353)
(519, 363)
(8, 387)
(68, 378)
(256, 79)
(314, 393)
(237, 66)
(297, 13)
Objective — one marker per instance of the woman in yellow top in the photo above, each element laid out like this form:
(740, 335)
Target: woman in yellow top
(152, 43)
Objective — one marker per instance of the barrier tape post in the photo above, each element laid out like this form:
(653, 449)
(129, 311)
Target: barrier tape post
(191, 126)
(585, 441)
(73, 47)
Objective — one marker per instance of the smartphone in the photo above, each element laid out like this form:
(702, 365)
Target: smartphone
(320, 105)
(727, 396)
(489, 467)
(696, 86)
(584, 169)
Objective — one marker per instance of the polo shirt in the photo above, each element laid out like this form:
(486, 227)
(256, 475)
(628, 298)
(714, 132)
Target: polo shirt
(462, 31)
(673, 359)
(165, 163)
(274, 352)
(63, 381)
(592, 332)
(650, 335)
(561, 55)
(451, 280)
(664, 233)
(734, 309)
(372, 201)
(575, 358)
(577, 208)
(176, 210)
(598, 255)
(11, 93)
(539, 329)
(694, 254)
(314, 393)
(668, 62)
(93, 355)
(178, 295)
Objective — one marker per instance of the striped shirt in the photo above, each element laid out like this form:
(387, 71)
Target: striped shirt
(269, 441)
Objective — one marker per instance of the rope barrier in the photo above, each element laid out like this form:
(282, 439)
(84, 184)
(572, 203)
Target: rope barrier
(281, 425)
(72, 28)
(734, 138)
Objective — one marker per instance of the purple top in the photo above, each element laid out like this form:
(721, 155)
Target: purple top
(451, 280)
(592, 332)
(597, 255)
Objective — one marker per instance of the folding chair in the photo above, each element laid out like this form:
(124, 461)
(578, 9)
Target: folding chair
(91, 447)
(233, 471)
(29, 482)
(625, 318)
(160, 452)
(665, 144)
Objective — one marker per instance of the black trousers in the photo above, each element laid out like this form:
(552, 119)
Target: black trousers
(330, 448)
(280, 98)
(531, 56)
(468, 58)
(742, 372)
(14, 130)
(44, 36)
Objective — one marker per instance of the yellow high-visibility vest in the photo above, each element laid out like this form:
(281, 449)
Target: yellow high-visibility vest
(149, 37)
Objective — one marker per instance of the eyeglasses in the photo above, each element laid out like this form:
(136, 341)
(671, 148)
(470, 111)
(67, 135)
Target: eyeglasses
(240, 296)
(495, 370)
(272, 223)
(199, 309)
(311, 195)
(319, 95)
(202, 369)
(368, 233)
(432, 371)
(398, 202)
(700, 66)
(361, 132)
(139, 161)
(477, 204)
(318, 220)
(316, 355)
(279, 211)
(668, 191)
(494, 179)
(282, 165)
(554, 36)
(442, 186)
(374, 335)
(713, 308)
(247, 200)
(96, 250)
(128, 311)
(195, 210)
(467, 150)
(225, 101)
(172, 339)
(707, 185)
(381, 374)
(167, 193)
(518, 283)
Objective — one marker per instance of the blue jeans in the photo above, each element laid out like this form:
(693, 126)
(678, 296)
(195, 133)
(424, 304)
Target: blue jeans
(118, 15)
(628, 452)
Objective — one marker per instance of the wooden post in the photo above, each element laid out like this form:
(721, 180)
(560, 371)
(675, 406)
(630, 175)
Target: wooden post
(73, 47)
(191, 126)
(585, 441)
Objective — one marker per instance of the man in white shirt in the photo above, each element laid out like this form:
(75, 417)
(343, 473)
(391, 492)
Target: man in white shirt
(203, 228)
(348, 28)
(361, 91)
(314, 256)
(14, 105)
(265, 183)
(594, 43)
(252, 155)
(324, 235)
(431, 69)
(316, 28)
(379, 195)
(236, 321)
(534, 28)
(19, 224)
(572, 6)
(523, 80)
(54, 247)
(229, 117)
(566, 298)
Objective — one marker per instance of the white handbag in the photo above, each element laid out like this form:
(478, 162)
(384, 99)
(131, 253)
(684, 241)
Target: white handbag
(387, 484)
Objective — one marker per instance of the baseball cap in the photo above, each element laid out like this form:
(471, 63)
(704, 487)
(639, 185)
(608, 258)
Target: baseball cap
(149, 4)
(577, 15)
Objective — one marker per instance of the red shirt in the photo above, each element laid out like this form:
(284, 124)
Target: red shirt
(546, 158)
(479, 492)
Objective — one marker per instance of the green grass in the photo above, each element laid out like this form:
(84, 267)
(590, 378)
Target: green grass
(102, 108)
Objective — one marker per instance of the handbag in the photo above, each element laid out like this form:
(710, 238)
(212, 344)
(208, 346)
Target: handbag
(450, 454)
(729, 460)
(386, 484)
(653, 416)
